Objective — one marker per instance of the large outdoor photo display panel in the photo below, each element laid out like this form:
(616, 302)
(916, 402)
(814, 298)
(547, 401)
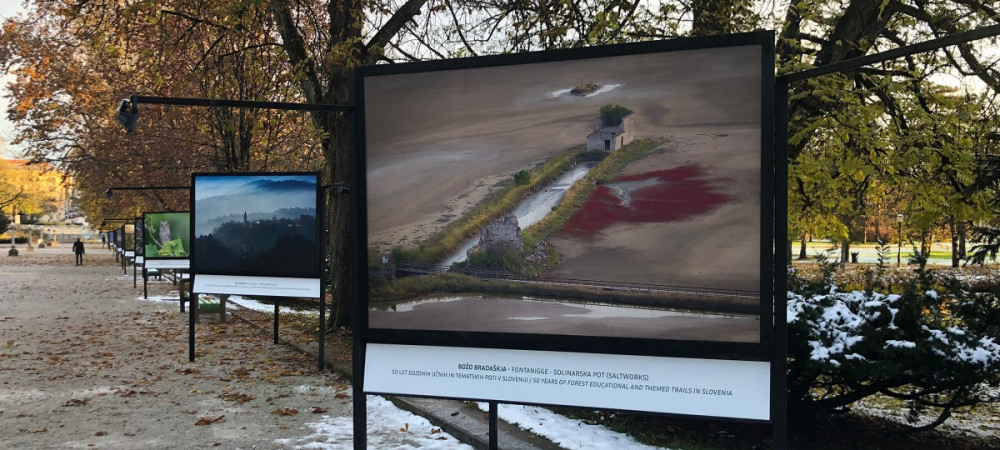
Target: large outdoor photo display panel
(611, 202)
(167, 239)
(140, 245)
(256, 234)
(129, 237)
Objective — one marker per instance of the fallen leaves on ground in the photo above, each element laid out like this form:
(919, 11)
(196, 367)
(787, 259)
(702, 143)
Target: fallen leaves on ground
(35, 430)
(319, 410)
(271, 399)
(76, 402)
(210, 420)
(236, 397)
(127, 393)
(285, 412)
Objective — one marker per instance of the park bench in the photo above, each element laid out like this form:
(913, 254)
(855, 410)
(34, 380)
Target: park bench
(199, 305)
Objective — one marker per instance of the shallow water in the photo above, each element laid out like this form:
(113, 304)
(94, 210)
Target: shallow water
(475, 312)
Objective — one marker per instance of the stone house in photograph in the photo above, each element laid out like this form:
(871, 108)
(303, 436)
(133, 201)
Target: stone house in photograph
(612, 137)
(499, 233)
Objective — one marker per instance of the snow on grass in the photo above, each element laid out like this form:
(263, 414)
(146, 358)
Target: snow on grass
(171, 297)
(568, 433)
(254, 305)
(388, 428)
(979, 422)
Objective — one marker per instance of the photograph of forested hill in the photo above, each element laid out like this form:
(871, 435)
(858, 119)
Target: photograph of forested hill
(256, 225)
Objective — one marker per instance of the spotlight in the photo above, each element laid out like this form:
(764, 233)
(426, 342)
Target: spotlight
(108, 193)
(128, 115)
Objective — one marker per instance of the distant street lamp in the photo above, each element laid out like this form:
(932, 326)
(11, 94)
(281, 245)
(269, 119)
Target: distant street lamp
(899, 250)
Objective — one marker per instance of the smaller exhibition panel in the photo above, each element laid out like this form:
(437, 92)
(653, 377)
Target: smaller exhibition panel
(167, 240)
(256, 234)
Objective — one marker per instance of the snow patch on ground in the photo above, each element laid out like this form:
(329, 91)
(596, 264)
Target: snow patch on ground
(252, 304)
(568, 433)
(392, 428)
(170, 297)
(388, 428)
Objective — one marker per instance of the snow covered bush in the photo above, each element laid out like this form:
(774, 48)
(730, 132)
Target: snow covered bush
(935, 348)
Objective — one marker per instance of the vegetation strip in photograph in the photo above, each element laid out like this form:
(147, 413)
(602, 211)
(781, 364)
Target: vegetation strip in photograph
(438, 246)
(577, 195)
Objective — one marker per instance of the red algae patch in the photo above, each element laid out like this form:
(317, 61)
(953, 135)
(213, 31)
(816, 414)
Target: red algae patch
(661, 196)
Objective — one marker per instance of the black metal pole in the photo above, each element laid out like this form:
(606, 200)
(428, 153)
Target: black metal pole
(359, 315)
(183, 101)
(322, 329)
(933, 44)
(275, 319)
(779, 365)
(145, 281)
(192, 299)
(494, 427)
(899, 247)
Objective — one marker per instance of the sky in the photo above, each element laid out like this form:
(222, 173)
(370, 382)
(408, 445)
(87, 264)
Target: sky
(8, 8)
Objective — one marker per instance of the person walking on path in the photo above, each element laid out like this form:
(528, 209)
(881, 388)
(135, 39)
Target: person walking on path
(78, 249)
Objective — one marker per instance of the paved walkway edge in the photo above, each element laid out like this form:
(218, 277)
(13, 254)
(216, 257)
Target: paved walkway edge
(460, 419)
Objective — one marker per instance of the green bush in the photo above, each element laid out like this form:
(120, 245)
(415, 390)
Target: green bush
(613, 114)
(522, 178)
(933, 347)
(506, 258)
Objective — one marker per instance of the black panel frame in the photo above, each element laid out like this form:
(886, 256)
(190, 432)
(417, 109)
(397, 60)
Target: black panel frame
(318, 253)
(759, 351)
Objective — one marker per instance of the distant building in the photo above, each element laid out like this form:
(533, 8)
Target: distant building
(42, 178)
(612, 137)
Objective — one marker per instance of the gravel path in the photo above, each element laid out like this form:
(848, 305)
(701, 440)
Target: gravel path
(86, 363)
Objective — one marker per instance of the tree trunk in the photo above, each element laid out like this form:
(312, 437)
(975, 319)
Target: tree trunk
(845, 251)
(962, 232)
(953, 228)
(802, 248)
(788, 252)
(338, 216)
(344, 15)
